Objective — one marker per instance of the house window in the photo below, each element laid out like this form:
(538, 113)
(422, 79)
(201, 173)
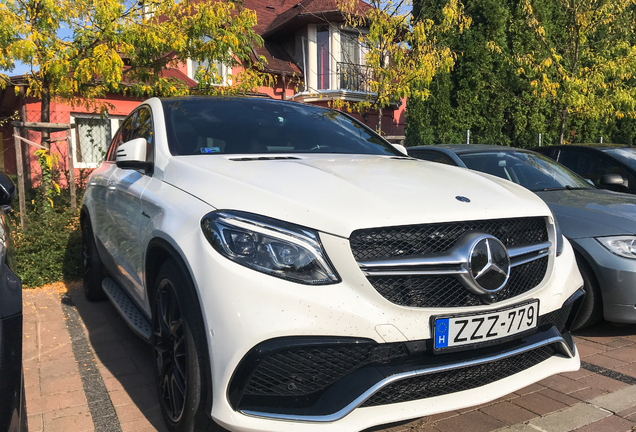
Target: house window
(324, 57)
(334, 59)
(221, 70)
(352, 73)
(91, 137)
(350, 48)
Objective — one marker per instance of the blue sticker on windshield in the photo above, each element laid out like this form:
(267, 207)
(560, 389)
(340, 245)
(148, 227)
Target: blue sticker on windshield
(210, 149)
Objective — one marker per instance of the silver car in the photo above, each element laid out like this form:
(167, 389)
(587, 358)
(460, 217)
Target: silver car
(600, 224)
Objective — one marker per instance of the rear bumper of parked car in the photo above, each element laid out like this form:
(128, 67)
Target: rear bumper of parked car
(616, 277)
(369, 344)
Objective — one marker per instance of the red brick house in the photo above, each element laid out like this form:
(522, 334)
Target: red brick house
(307, 46)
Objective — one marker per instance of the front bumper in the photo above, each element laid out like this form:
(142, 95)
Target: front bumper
(616, 276)
(323, 379)
(260, 309)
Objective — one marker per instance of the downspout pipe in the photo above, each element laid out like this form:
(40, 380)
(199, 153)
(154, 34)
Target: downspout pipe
(284, 77)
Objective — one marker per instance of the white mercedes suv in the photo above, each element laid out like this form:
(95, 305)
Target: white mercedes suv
(293, 271)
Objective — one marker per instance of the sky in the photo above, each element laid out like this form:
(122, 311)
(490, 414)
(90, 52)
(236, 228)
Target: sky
(21, 68)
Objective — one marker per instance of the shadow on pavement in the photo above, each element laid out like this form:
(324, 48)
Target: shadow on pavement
(125, 363)
(605, 328)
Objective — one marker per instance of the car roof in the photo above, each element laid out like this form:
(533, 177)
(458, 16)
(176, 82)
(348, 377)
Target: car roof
(468, 148)
(599, 147)
(214, 98)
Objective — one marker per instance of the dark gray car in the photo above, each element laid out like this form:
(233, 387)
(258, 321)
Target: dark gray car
(612, 168)
(13, 416)
(600, 224)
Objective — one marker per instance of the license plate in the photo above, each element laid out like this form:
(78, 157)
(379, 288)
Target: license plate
(471, 329)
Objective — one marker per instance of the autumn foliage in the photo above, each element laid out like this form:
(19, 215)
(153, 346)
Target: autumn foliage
(81, 50)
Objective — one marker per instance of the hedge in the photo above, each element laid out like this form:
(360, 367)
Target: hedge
(50, 249)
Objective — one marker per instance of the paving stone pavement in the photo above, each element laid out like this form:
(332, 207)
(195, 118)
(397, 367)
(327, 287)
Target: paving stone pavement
(85, 370)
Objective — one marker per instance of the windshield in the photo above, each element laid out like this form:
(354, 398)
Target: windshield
(530, 170)
(213, 126)
(626, 155)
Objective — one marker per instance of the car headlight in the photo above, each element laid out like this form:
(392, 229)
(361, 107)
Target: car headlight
(270, 246)
(624, 246)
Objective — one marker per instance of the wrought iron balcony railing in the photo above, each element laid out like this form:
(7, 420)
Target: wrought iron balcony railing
(354, 77)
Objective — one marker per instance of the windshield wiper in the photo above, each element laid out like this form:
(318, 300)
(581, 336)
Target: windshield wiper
(568, 187)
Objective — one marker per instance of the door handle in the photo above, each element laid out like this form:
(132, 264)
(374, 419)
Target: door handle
(111, 186)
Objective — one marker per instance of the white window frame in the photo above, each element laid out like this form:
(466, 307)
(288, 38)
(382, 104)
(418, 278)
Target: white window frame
(362, 48)
(224, 73)
(335, 51)
(115, 122)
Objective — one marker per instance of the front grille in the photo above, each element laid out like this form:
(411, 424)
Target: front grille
(452, 381)
(401, 241)
(557, 318)
(446, 291)
(305, 370)
(443, 290)
(424, 291)
(523, 278)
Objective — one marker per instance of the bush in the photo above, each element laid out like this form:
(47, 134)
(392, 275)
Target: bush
(50, 249)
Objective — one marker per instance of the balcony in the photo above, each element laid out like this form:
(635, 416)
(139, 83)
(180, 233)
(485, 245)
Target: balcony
(354, 77)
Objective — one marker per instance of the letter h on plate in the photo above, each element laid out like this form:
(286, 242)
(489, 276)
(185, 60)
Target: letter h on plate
(441, 333)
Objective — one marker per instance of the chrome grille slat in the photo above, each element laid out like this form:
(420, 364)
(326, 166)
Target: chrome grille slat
(445, 264)
(447, 291)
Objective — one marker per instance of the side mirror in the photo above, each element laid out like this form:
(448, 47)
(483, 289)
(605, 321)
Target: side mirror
(400, 148)
(7, 189)
(132, 155)
(612, 180)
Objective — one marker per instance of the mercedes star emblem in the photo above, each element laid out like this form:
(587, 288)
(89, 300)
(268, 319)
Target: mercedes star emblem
(489, 264)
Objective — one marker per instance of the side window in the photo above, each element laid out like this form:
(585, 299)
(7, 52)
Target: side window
(570, 158)
(110, 156)
(433, 157)
(143, 128)
(631, 181)
(549, 152)
(589, 165)
(123, 135)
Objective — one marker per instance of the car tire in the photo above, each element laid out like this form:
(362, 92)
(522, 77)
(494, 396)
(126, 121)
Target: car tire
(592, 308)
(180, 352)
(93, 268)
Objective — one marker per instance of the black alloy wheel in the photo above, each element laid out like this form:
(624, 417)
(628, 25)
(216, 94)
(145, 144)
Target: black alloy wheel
(170, 350)
(181, 354)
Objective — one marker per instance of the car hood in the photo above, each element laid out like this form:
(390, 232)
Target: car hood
(341, 193)
(592, 212)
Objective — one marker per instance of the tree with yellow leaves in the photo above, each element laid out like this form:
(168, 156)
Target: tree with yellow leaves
(80, 50)
(402, 52)
(581, 57)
